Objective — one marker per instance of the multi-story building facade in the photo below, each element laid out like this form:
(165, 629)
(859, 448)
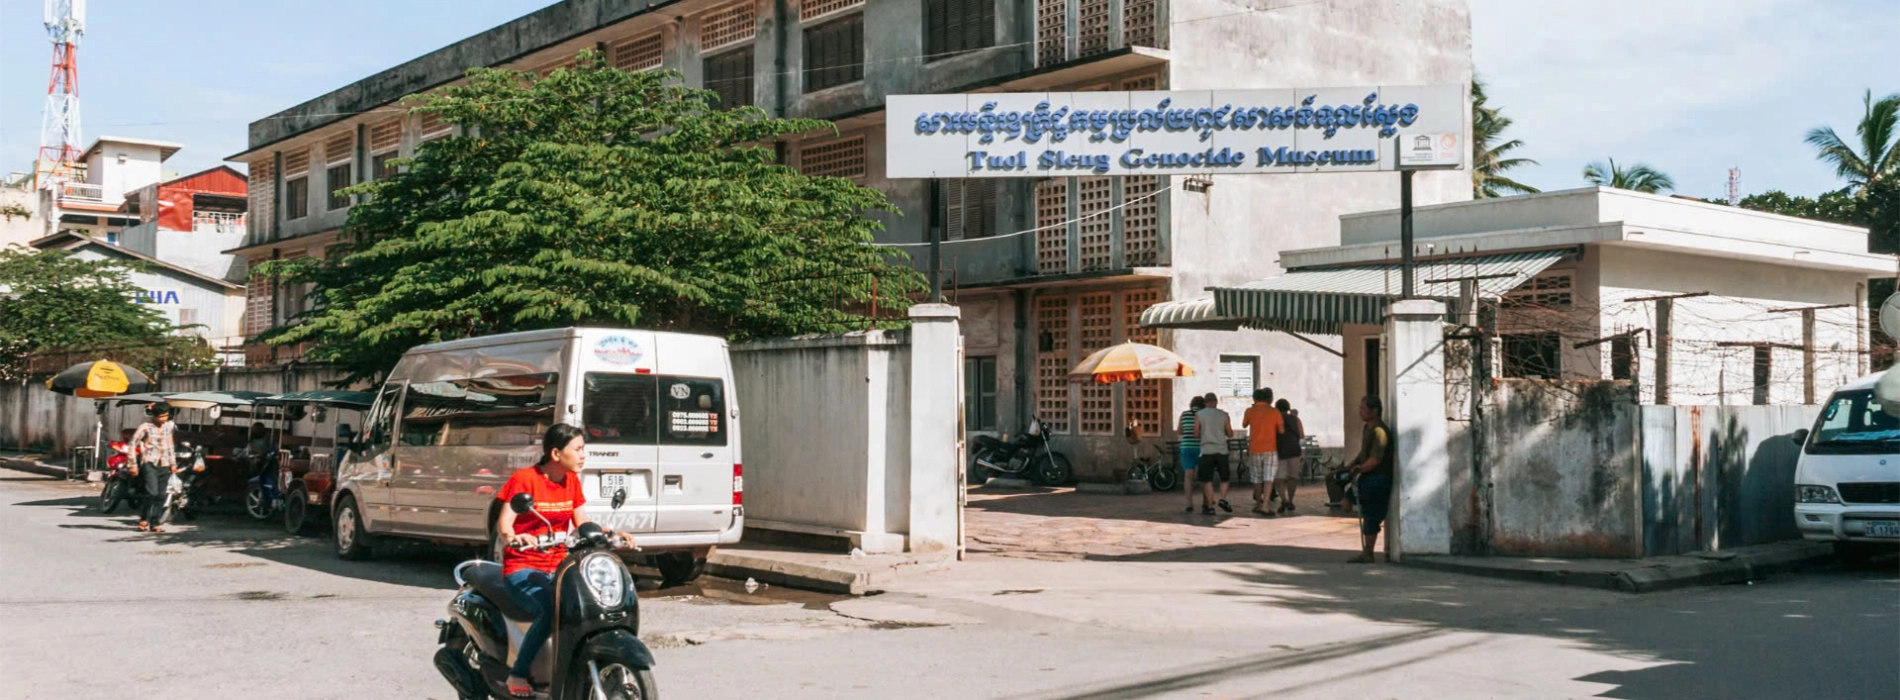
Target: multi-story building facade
(1045, 270)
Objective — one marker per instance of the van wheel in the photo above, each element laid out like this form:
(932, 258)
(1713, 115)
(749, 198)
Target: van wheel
(678, 568)
(297, 511)
(352, 541)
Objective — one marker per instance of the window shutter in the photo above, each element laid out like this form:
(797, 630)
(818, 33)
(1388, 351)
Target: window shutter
(953, 203)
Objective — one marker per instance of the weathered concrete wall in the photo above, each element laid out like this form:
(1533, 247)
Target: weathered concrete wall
(17, 230)
(1719, 476)
(1564, 463)
(34, 418)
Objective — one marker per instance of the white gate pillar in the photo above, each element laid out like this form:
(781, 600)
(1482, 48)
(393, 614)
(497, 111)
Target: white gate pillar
(936, 422)
(1420, 521)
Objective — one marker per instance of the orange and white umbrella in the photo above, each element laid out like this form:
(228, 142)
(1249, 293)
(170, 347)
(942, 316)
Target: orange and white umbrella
(1130, 362)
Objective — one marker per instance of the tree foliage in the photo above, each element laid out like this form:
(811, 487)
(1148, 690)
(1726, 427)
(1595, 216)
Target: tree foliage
(1638, 177)
(1490, 154)
(52, 302)
(1875, 155)
(594, 196)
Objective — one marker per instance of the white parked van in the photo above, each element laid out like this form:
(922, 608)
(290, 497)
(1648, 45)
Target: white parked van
(1847, 482)
(454, 420)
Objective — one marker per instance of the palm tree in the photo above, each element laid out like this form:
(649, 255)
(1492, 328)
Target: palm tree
(1638, 177)
(1488, 155)
(1879, 154)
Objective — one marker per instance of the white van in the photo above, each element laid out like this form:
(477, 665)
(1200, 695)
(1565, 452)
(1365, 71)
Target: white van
(454, 420)
(1847, 481)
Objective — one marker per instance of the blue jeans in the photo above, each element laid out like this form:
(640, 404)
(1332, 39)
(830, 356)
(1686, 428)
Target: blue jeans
(533, 591)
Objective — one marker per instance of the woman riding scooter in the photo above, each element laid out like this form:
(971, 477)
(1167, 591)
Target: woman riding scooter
(153, 460)
(555, 484)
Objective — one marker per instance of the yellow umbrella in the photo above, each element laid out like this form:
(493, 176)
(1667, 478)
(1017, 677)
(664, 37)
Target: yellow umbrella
(1130, 362)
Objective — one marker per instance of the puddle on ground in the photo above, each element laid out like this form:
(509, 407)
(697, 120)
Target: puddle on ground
(259, 595)
(711, 590)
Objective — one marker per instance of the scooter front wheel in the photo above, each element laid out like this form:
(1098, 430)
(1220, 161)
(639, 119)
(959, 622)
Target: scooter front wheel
(617, 681)
(256, 502)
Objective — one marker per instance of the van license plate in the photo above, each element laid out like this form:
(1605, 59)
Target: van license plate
(1883, 528)
(611, 482)
(629, 520)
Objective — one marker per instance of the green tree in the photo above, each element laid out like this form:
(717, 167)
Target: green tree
(1639, 177)
(1876, 156)
(1490, 154)
(52, 301)
(595, 196)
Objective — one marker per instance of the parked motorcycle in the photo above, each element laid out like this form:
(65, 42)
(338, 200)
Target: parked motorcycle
(1028, 455)
(185, 490)
(594, 650)
(262, 499)
(120, 486)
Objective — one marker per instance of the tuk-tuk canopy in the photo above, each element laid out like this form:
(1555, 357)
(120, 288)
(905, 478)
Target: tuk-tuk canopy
(140, 399)
(334, 398)
(207, 399)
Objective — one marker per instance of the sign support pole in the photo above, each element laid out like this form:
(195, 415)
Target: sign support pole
(1405, 234)
(936, 242)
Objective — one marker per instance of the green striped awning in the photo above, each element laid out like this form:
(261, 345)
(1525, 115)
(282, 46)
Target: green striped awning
(1318, 302)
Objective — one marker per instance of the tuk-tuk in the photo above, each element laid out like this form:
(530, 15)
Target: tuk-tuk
(218, 421)
(307, 464)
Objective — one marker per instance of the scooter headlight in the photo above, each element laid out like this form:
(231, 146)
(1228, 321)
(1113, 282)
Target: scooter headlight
(603, 578)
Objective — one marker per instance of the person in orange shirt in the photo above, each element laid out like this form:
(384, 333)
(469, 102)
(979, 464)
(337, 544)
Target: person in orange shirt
(1263, 423)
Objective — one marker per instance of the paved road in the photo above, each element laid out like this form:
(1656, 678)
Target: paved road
(231, 609)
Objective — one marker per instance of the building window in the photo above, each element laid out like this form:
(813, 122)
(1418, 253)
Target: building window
(1091, 23)
(187, 317)
(257, 303)
(640, 53)
(1141, 220)
(297, 198)
(1532, 355)
(834, 53)
(967, 208)
(1550, 290)
(979, 393)
(834, 158)
(817, 9)
(1095, 223)
(1052, 363)
(385, 140)
(1142, 400)
(730, 75)
(955, 26)
(263, 199)
(1375, 361)
(1052, 238)
(1236, 375)
(382, 166)
(429, 127)
(728, 26)
(337, 179)
(1097, 332)
(1138, 24)
(1051, 37)
(1623, 358)
(1764, 372)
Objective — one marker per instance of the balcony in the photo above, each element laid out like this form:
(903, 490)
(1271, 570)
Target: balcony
(218, 221)
(81, 193)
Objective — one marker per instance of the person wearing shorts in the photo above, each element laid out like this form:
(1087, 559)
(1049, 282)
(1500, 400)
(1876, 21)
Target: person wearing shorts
(1288, 448)
(1190, 449)
(1374, 466)
(1262, 422)
(1215, 428)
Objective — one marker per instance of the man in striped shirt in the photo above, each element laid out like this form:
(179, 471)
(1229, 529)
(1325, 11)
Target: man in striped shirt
(1190, 449)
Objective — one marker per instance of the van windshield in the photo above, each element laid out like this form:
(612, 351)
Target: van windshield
(1853, 423)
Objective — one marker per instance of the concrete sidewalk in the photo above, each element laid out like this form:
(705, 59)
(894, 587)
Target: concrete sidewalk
(824, 572)
(1645, 575)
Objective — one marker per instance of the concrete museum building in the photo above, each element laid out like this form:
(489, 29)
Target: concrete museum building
(1047, 266)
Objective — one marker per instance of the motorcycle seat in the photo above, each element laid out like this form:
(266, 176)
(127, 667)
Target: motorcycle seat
(487, 579)
(988, 442)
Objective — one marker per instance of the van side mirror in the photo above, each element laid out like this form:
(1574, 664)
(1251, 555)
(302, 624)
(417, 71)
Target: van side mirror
(521, 503)
(1800, 437)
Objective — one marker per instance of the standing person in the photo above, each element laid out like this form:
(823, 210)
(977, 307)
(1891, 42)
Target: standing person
(1374, 466)
(555, 484)
(1291, 433)
(1263, 426)
(1215, 428)
(153, 461)
(1190, 448)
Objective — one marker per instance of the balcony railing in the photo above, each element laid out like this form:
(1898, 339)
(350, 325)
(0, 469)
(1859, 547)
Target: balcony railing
(82, 192)
(219, 221)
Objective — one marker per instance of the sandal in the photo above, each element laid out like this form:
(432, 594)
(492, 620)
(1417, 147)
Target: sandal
(1189, 511)
(1207, 510)
(523, 690)
(145, 526)
(156, 529)
(1224, 506)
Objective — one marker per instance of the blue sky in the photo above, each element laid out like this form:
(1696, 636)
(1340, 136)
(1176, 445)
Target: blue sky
(1693, 87)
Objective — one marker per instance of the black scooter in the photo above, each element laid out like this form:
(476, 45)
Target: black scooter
(594, 651)
(188, 489)
(1027, 455)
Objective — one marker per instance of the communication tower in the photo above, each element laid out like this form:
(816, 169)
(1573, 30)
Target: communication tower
(59, 125)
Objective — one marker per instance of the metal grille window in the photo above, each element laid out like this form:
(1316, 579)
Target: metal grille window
(1151, 81)
(1142, 399)
(297, 198)
(730, 75)
(955, 26)
(1052, 238)
(1092, 27)
(814, 9)
(1141, 220)
(1051, 40)
(728, 26)
(1095, 222)
(335, 180)
(968, 208)
(1550, 290)
(1764, 367)
(1098, 331)
(1139, 26)
(640, 53)
(1052, 363)
(834, 158)
(834, 53)
(430, 127)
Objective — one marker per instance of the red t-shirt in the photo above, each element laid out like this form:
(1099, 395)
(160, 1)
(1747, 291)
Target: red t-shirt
(553, 501)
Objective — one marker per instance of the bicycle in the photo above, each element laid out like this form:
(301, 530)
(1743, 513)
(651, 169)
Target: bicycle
(1315, 462)
(1162, 472)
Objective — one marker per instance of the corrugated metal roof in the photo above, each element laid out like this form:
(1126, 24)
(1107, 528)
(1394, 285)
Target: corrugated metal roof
(1320, 301)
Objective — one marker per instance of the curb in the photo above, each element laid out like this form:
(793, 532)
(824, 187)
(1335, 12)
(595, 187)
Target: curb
(1664, 573)
(823, 579)
(33, 467)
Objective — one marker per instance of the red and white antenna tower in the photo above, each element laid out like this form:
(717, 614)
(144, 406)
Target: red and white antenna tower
(59, 126)
(1734, 186)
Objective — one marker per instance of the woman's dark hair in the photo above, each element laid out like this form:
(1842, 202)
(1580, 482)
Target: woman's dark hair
(1283, 405)
(1197, 402)
(557, 437)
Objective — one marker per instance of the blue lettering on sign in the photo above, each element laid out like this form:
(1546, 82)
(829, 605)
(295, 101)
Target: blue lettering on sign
(1058, 123)
(1288, 156)
(1058, 160)
(156, 296)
